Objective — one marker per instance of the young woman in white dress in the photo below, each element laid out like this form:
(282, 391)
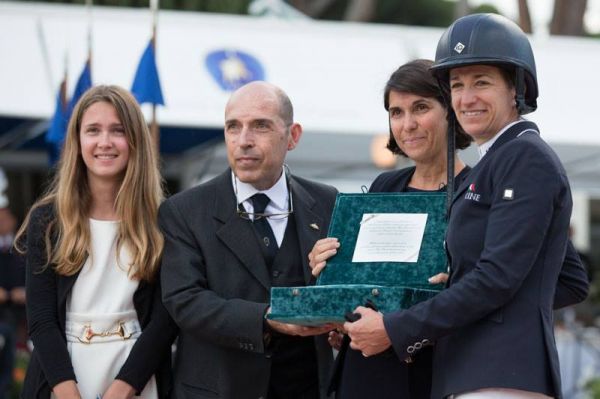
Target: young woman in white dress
(93, 250)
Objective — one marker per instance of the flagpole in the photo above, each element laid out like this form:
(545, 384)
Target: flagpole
(58, 127)
(89, 5)
(146, 82)
(154, 130)
(63, 85)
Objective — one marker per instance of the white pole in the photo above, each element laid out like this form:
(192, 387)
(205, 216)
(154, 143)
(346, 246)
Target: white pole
(154, 130)
(89, 5)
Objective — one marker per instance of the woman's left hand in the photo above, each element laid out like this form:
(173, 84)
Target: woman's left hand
(368, 333)
(323, 249)
(439, 278)
(119, 390)
(335, 339)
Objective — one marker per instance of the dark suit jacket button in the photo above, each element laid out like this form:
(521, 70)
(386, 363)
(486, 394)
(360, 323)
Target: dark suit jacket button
(276, 273)
(267, 339)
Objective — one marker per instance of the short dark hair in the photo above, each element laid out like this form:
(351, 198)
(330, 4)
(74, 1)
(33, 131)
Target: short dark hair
(414, 77)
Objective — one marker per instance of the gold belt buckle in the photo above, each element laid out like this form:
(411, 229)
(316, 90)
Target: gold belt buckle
(89, 333)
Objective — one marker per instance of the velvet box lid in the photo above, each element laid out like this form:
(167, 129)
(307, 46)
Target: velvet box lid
(343, 284)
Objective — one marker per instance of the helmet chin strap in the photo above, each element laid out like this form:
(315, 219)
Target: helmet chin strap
(451, 141)
(450, 161)
(522, 107)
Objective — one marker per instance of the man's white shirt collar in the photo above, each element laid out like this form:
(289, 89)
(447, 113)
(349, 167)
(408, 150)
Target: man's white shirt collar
(279, 196)
(278, 193)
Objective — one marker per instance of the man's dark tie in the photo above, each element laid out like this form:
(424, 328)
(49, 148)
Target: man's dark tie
(262, 227)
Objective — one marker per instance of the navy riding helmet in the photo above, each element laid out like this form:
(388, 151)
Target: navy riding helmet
(489, 39)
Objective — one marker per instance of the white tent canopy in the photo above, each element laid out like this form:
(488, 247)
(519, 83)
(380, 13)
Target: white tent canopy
(334, 73)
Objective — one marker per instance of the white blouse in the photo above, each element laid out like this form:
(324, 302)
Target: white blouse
(103, 285)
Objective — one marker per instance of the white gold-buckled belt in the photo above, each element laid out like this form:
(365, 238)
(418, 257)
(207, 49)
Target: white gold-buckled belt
(91, 331)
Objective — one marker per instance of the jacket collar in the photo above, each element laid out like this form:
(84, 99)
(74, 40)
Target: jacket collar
(512, 133)
(237, 233)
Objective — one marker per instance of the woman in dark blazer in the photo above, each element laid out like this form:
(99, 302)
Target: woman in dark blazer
(507, 233)
(418, 130)
(93, 249)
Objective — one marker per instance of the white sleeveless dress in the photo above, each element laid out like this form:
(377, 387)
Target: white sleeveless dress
(101, 322)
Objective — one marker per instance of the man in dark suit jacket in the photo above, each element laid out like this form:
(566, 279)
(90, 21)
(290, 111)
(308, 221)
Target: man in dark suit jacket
(221, 259)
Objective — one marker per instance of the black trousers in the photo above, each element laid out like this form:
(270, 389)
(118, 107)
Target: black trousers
(7, 358)
(311, 392)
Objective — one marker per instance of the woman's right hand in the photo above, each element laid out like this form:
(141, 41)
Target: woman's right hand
(323, 249)
(66, 390)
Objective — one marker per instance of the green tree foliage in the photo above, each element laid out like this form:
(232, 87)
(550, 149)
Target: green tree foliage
(485, 8)
(408, 12)
(416, 12)
(221, 6)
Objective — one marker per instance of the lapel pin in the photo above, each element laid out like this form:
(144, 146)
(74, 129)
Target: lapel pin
(508, 194)
(314, 226)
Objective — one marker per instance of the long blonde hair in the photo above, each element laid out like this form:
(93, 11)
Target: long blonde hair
(67, 237)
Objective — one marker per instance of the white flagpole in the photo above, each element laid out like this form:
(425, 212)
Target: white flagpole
(89, 6)
(154, 5)
(64, 85)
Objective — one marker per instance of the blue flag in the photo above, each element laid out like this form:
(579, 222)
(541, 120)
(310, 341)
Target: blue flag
(58, 126)
(83, 84)
(146, 84)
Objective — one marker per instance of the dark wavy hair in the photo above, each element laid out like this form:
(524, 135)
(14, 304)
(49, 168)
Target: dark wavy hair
(414, 77)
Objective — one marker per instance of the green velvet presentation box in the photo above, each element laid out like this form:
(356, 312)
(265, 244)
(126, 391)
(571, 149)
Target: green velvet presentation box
(346, 283)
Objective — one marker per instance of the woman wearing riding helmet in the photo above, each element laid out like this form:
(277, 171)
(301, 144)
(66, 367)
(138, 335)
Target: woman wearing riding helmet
(507, 231)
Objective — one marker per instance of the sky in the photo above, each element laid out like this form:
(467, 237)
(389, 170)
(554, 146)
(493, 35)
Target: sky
(541, 13)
